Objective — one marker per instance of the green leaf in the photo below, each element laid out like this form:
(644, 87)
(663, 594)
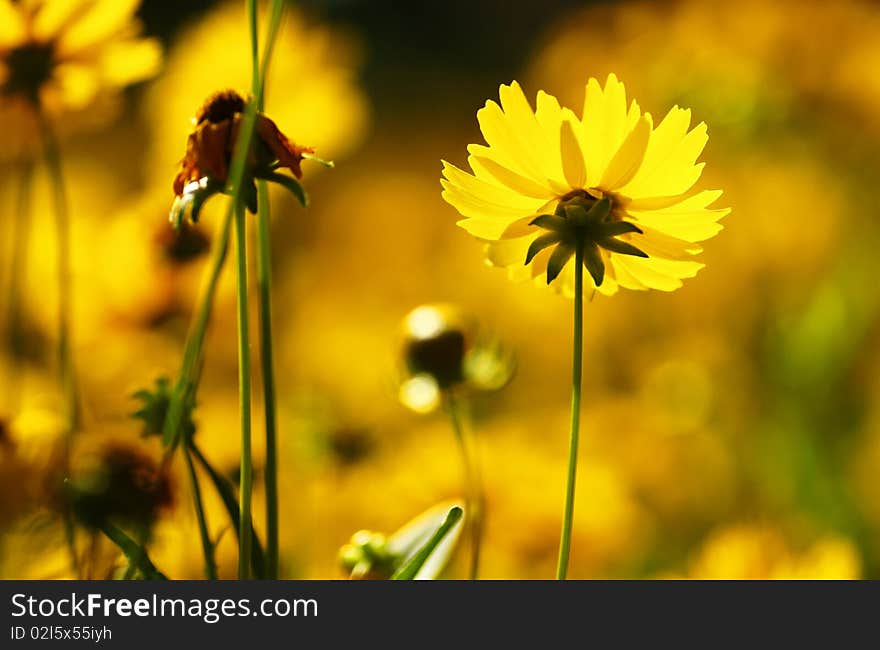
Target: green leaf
(615, 228)
(550, 222)
(622, 247)
(249, 195)
(540, 243)
(593, 262)
(411, 567)
(290, 184)
(230, 501)
(558, 260)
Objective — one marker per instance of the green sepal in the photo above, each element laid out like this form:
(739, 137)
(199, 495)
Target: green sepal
(577, 214)
(594, 264)
(622, 247)
(615, 228)
(410, 569)
(558, 260)
(540, 244)
(600, 211)
(289, 183)
(327, 163)
(550, 222)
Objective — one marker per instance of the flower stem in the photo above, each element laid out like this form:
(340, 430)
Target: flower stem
(62, 226)
(264, 282)
(18, 267)
(244, 386)
(577, 354)
(187, 379)
(66, 370)
(207, 544)
(475, 498)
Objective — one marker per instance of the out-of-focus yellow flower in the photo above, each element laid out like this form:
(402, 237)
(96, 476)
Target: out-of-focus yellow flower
(607, 176)
(760, 553)
(312, 90)
(66, 58)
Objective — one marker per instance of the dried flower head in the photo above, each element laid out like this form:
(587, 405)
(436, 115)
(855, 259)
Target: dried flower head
(204, 168)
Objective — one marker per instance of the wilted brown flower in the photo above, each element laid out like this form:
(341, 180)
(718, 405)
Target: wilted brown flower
(209, 147)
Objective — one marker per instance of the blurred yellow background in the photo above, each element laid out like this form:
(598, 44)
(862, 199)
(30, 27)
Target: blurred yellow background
(730, 429)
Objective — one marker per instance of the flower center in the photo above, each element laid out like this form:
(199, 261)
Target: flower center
(30, 66)
(220, 106)
(582, 223)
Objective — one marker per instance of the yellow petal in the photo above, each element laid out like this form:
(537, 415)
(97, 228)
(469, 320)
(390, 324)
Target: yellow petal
(103, 20)
(548, 114)
(689, 219)
(77, 85)
(488, 169)
(489, 192)
(669, 166)
(12, 25)
(128, 62)
(664, 275)
(606, 123)
(52, 17)
(661, 245)
(572, 157)
(626, 162)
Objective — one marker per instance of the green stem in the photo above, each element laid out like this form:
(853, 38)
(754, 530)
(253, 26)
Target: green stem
(474, 496)
(135, 552)
(187, 379)
(577, 354)
(67, 373)
(18, 268)
(264, 283)
(244, 387)
(207, 544)
(62, 226)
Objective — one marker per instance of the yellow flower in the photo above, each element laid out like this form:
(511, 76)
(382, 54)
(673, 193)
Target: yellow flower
(69, 58)
(550, 178)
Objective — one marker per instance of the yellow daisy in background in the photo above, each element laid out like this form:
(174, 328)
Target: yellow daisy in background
(606, 177)
(69, 59)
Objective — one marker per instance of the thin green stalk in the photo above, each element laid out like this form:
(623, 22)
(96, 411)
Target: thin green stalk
(66, 369)
(62, 226)
(135, 552)
(267, 364)
(207, 544)
(474, 497)
(184, 389)
(18, 267)
(264, 289)
(577, 354)
(264, 283)
(244, 398)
